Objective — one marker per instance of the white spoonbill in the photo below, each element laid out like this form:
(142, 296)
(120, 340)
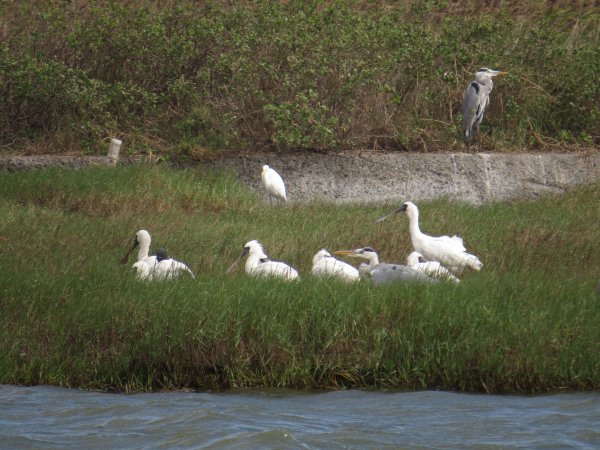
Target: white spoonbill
(155, 267)
(325, 265)
(475, 101)
(449, 251)
(167, 268)
(432, 268)
(273, 184)
(259, 264)
(382, 273)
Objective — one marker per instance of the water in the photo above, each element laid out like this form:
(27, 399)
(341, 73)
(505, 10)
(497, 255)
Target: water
(54, 418)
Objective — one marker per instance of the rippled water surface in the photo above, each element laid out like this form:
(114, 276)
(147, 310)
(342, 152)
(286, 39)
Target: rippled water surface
(53, 418)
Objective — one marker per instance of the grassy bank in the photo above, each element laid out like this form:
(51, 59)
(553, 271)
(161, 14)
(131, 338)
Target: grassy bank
(183, 78)
(72, 316)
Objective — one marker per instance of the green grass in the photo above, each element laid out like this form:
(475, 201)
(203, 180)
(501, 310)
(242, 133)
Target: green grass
(73, 316)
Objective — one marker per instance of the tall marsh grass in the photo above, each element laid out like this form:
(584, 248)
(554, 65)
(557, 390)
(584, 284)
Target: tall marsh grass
(73, 316)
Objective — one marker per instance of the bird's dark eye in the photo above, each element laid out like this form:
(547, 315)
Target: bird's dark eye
(404, 207)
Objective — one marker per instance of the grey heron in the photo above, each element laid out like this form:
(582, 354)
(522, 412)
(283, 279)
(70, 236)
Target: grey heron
(383, 273)
(475, 101)
(325, 265)
(273, 184)
(156, 267)
(449, 251)
(259, 264)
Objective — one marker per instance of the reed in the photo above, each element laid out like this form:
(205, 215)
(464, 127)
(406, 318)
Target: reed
(73, 316)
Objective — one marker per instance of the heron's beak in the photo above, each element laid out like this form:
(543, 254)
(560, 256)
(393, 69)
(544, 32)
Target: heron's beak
(125, 258)
(381, 219)
(237, 261)
(500, 73)
(345, 253)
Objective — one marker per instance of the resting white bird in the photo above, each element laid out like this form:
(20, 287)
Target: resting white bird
(259, 264)
(325, 265)
(449, 251)
(432, 268)
(273, 184)
(156, 267)
(382, 273)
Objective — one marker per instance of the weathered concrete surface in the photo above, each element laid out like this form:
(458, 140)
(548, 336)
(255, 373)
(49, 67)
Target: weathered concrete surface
(13, 163)
(366, 177)
(372, 176)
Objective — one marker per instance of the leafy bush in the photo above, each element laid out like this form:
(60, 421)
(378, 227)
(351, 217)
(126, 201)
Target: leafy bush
(177, 76)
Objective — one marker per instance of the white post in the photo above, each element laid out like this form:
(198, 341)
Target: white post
(113, 151)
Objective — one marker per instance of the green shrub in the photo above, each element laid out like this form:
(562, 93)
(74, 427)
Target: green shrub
(175, 77)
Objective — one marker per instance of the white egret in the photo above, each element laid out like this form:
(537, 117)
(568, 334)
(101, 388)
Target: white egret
(449, 251)
(475, 101)
(431, 268)
(382, 273)
(273, 184)
(259, 264)
(155, 267)
(325, 265)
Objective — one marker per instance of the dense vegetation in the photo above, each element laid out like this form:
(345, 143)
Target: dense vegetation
(185, 78)
(73, 316)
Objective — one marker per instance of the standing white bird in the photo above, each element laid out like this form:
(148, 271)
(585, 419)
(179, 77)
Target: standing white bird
(273, 184)
(325, 265)
(259, 264)
(449, 251)
(156, 267)
(382, 273)
(475, 101)
(432, 268)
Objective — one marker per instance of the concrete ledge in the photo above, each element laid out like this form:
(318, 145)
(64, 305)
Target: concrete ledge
(366, 177)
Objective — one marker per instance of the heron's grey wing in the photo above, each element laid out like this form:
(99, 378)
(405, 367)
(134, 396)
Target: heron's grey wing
(387, 273)
(470, 105)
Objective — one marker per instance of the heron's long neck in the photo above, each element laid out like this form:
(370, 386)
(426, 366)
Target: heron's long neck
(373, 260)
(487, 82)
(144, 250)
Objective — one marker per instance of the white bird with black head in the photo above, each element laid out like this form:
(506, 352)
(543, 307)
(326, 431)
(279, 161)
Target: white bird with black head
(155, 267)
(259, 264)
(476, 99)
(449, 251)
(273, 184)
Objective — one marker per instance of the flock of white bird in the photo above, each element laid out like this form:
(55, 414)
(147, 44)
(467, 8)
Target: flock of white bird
(433, 259)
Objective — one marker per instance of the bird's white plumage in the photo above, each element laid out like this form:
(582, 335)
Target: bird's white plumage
(273, 183)
(449, 251)
(259, 264)
(170, 268)
(325, 265)
(432, 268)
(150, 267)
